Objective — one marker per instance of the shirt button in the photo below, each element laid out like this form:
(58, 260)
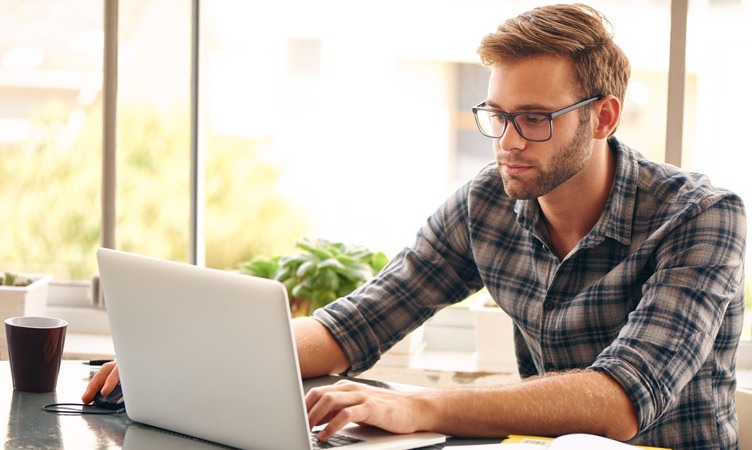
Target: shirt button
(549, 306)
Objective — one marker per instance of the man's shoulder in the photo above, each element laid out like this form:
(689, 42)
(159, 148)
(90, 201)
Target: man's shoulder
(669, 186)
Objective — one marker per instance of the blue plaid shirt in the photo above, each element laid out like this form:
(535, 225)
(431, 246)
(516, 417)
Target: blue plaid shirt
(652, 295)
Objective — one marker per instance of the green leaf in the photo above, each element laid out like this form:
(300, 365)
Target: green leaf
(323, 298)
(325, 270)
(261, 267)
(307, 269)
(348, 260)
(346, 287)
(290, 284)
(283, 274)
(331, 263)
(301, 291)
(336, 247)
(327, 280)
(378, 261)
(361, 254)
(355, 271)
(319, 253)
(294, 260)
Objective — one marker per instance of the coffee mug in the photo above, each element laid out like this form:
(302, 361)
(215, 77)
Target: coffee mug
(35, 350)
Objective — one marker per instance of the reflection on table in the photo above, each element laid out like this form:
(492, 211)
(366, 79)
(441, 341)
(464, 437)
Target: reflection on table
(24, 424)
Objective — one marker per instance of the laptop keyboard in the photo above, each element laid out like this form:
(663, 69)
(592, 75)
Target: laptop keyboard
(338, 440)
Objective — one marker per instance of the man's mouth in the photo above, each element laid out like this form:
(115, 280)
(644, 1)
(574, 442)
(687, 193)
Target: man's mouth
(514, 168)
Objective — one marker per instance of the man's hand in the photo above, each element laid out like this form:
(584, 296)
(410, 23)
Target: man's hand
(583, 401)
(105, 380)
(346, 401)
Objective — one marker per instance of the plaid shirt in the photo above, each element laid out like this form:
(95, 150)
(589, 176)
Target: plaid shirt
(652, 295)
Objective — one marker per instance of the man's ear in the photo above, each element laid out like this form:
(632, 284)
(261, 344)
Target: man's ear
(607, 113)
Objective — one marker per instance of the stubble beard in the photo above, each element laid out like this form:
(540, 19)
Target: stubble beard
(566, 162)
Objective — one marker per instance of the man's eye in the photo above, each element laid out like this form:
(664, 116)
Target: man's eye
(532, 119)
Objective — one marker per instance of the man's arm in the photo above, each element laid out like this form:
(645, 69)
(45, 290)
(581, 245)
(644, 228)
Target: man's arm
(583, 401)
(318, 352)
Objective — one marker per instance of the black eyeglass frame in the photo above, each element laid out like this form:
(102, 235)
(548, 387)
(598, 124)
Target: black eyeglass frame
(512, 117)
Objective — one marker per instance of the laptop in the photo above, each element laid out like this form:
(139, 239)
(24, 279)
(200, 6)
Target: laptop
(210, 354)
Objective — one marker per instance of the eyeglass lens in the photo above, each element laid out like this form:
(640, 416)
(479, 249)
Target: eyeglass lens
(532, 126)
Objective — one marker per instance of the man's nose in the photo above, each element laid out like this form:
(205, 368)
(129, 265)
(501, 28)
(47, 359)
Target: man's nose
(512, 140)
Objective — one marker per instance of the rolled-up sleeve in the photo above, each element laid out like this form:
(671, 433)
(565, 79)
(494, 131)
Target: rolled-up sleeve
(690, 308)
(436, 271)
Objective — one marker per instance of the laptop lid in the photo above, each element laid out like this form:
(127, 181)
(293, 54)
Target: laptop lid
(204, 352)
(211, 354)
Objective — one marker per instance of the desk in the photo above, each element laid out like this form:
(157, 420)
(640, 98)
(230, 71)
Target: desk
(23, 424)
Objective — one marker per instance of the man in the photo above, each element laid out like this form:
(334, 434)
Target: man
(623, 277)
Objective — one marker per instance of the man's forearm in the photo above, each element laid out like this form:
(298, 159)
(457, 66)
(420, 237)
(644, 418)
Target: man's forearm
(318, 352)
(583, 401)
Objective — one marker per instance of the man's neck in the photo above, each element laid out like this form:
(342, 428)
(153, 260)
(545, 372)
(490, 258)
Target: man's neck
(572, 209)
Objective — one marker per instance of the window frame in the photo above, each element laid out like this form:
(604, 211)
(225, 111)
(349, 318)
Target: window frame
(673, 150)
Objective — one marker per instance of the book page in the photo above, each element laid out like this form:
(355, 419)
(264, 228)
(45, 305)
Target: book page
(577, 441)
(512, 446)
(583, 441)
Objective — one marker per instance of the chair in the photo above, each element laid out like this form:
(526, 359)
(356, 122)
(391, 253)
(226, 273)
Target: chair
(744, 413)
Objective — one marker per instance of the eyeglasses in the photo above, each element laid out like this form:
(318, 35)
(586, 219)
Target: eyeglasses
(532, 126)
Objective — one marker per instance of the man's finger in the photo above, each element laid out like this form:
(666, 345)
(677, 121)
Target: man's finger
(99, 380)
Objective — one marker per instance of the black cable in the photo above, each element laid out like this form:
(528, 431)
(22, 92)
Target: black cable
(74, 409)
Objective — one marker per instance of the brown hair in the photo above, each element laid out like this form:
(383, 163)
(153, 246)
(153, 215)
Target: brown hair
(577, 32)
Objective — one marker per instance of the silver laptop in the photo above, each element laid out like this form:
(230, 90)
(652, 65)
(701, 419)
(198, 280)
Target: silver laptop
(211, 354)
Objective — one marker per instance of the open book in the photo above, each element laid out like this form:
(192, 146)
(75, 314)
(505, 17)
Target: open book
(567, 442)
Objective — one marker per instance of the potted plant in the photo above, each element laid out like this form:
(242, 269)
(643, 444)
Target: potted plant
(20, 295)
(320, 273)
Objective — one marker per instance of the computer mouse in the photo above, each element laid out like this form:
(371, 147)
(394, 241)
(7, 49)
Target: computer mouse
(113, 400)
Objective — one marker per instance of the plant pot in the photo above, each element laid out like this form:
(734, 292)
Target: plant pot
(28, 300)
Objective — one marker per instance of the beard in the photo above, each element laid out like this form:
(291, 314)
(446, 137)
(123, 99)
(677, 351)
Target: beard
(567, 161)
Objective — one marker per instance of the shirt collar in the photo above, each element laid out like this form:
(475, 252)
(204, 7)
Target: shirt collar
(616, 220)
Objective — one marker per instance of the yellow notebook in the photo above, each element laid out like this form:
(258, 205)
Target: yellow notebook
(571, 441)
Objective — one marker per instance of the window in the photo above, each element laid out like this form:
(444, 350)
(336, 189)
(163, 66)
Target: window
(715, 109)
(310, 125)
(50, 136)
(329, 117)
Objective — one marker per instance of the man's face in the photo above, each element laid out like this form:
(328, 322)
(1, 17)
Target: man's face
(541, 84)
